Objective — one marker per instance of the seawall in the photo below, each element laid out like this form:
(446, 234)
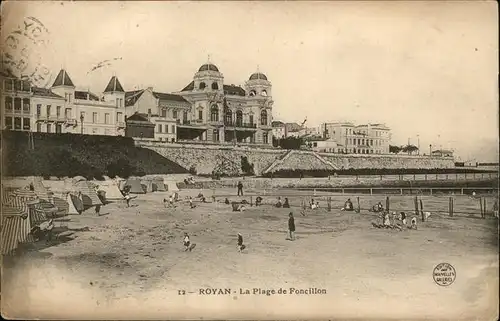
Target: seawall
(205, 159)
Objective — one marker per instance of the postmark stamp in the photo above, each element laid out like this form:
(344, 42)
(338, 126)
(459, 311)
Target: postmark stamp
(444, 274)
(22, 54)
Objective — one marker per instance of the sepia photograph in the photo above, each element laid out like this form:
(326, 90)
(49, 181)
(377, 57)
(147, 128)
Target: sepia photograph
(258, 160)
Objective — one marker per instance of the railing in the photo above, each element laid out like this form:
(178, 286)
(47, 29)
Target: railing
(240, 124)
(50, 118)
(70, 121)
(190, 122)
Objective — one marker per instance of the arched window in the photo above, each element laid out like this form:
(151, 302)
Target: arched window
(202, 85)
(252, 93)
(239, 118)
(263, 93)
(263, 117)
(228, 116)
(214, 113)
(215, 86)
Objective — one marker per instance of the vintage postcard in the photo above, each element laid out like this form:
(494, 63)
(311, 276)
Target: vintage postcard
(262, 160)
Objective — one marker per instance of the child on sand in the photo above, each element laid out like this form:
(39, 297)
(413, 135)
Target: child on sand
(348, 205)
(187, 242)
(258, 201)
(286, 204)
(413, 223)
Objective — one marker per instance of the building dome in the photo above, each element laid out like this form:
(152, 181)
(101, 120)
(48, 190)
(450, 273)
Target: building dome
(258, 75)
(208, 66)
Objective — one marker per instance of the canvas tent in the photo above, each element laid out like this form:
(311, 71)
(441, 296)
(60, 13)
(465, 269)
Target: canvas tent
(110, 189)
(135, 185)
(147, 185)
(171, 186)
(158, 184)
(75, 205)
(79, 184)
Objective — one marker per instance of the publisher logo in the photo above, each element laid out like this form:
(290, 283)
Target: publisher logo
(444, 274)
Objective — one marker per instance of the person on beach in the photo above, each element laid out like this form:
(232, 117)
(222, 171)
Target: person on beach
(240, 188)
(348, 206)
(291, 227)
(187, 242)
(191, 202)
(240, 243)
(98, 210)
(127, 199)
(278, 203)
(258, 201)
(286, 204)
(413, 223)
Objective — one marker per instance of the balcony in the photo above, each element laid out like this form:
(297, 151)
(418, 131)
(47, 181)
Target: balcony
(70, 122)
(240, 125)
(191, 123)
(120, 124)
(50, 118)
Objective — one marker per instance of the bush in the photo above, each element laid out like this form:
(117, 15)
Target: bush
(246, 167)
(121, 168)
(192, 170)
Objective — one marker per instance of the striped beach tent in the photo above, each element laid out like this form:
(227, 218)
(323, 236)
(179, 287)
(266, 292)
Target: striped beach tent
(85, 189)
(15, 229)
(41, 190)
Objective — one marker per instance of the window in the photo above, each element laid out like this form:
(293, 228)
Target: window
(39, 127)
(174, 114)
(8, 84)
(166, 128)
(251, 119)
(263, 117)
(38, 109)
(264, 137)
(173, 131)
(106, 118)
(185, 116)
(48, 110)
(214, 113)
(26, 105)
(149, 111)
(164, 113)
(202, 85)
(58, 128)
(17, 85)
(215, 86)
(215, 135)
(17, 123)
(159, 128)
(26, 124)
(119, 117)
(239, 118)
(67, 113)
(17, 105)
(228, 117)
(58, 111)
(8, 103)
(200, 114)
(94, 118)
(49, 128)
(8, 122)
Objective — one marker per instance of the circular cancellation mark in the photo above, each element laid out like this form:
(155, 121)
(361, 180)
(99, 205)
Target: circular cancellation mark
(444, 274)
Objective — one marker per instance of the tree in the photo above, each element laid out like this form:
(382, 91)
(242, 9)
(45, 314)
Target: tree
(410, 149)
(394, 149)
(290, 143)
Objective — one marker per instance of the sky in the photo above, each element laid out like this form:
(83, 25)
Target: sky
(428, 70)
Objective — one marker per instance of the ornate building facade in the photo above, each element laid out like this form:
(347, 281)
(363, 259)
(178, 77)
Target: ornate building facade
(223, 113)
(206, 111)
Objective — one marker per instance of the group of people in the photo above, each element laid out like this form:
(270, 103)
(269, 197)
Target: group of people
(188, 246)
(386, 221)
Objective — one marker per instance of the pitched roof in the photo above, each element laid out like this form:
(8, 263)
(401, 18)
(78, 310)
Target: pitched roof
(44, 92)
(139, 117)
(83, 95)
(172, 97)
(63, 79)
(114, 85)
(189, 87)
(131, 97)
(277, 123)
(234, 90)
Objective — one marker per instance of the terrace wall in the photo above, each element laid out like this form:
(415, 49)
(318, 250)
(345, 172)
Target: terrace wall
(206, 158)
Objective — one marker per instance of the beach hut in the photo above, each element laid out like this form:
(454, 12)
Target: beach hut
(135, 186)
